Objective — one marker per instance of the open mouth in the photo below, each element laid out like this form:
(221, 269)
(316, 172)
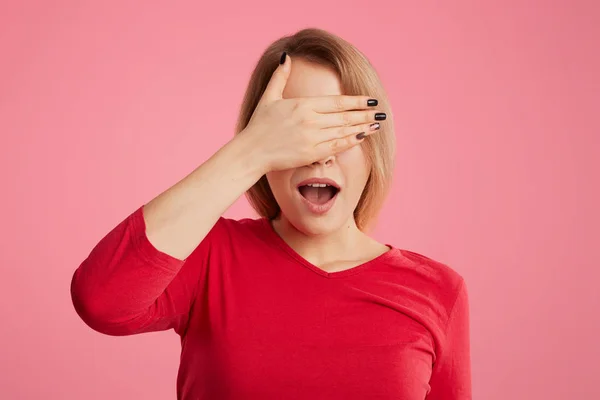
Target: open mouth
(318, 193)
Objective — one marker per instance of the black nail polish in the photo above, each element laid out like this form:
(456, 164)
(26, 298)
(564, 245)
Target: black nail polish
(361, 136)
(375, 126)
(380, 116)
(282, 59)
(372, 102)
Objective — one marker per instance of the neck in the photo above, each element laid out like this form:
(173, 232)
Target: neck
(321, 249)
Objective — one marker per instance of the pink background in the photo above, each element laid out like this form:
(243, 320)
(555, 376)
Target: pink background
(104, 105)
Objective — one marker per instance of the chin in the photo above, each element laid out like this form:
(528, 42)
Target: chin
(316, 225)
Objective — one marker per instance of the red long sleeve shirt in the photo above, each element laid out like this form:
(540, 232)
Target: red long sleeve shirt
(257, 321)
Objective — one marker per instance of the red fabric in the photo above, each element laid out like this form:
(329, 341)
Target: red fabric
(257, 321)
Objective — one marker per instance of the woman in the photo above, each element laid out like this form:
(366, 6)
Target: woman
(300, 303)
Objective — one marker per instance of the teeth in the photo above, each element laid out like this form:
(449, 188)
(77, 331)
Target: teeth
(317, 185)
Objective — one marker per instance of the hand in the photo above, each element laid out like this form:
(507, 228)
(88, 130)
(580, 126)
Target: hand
(290, 133)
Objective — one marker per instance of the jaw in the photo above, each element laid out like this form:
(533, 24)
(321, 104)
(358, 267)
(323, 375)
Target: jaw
(304, 225)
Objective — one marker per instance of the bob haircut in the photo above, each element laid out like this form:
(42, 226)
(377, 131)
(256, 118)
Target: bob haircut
(357, 77)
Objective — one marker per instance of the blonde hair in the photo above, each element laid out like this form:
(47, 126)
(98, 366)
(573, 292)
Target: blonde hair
(358, 77)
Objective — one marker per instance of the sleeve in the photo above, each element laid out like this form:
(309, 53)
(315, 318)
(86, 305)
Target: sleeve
(126, 286)
(451, 375)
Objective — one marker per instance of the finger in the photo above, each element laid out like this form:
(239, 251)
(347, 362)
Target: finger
(276, 85)
(348, 118)
(338, 103)
(335, 146)
(340, 132)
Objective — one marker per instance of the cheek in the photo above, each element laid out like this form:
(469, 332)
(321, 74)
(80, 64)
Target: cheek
(279, 181)
(354, 163)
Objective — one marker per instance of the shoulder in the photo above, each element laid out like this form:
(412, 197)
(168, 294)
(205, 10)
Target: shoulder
(442, 284)
(438, 271)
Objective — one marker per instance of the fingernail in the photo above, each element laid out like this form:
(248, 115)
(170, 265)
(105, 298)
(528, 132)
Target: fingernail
(372, 102)
(361, 136)
(380, 116)
(282, 59)
(374, 126)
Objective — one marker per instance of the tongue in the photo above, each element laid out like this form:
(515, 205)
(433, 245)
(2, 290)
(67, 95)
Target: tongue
(317, 195)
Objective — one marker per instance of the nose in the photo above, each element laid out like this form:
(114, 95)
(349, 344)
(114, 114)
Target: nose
(327, 162)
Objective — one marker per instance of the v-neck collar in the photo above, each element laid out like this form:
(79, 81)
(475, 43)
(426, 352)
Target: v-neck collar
(282, 244)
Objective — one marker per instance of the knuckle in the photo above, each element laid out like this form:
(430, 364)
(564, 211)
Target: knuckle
(346, 119)
(308, 121)
(296, 108)
(277, 105)
(345, 131)
(299, 113)
(333, 145)
(338, 145)
(296, 105)
(338, 103)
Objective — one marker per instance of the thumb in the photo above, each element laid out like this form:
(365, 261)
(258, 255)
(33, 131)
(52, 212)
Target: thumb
(276, 85)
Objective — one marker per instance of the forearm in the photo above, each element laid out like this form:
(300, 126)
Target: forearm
(178, 219)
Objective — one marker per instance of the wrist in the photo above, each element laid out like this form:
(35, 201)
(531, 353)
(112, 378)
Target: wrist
(248, 155)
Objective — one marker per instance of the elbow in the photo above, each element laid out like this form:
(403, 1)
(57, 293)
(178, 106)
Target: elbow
(86, 304)
(93, 309)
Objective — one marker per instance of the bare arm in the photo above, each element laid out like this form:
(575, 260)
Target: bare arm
(135, 279)
(178, 219)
